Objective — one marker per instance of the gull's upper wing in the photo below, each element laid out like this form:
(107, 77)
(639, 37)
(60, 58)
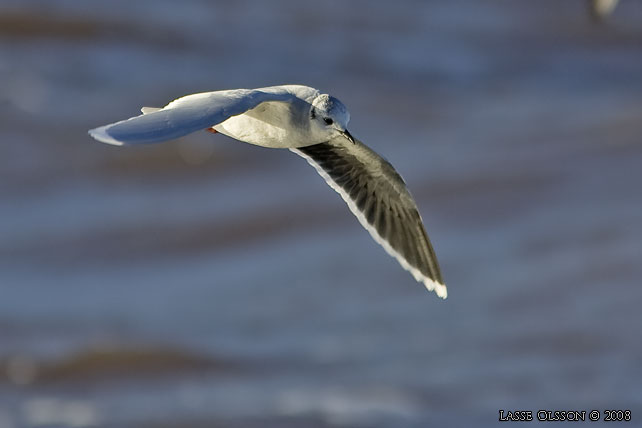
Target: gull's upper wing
(184, 116)
(378, 196)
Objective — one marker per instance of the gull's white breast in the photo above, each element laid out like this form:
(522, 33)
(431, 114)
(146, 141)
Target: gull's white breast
(274, 124)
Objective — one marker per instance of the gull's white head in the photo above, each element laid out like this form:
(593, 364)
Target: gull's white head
(328, 116)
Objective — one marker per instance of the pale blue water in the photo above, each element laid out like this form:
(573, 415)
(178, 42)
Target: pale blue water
(516, 125)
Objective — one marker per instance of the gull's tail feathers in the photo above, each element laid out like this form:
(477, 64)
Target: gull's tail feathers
(147, 110)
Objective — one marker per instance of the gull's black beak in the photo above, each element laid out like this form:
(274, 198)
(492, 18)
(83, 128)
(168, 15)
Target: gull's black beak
(349, 136)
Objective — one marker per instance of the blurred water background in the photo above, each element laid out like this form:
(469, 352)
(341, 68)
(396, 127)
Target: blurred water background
(206, 283)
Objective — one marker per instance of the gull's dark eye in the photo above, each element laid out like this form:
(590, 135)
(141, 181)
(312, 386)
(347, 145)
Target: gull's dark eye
(328, 121)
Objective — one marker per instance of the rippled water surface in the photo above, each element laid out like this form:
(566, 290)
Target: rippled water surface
(206, 283)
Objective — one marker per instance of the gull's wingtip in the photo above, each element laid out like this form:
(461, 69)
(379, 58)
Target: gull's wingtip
(439, 288)
(101, 135)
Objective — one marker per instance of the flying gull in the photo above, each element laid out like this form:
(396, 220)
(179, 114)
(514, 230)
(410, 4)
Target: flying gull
(312, 125)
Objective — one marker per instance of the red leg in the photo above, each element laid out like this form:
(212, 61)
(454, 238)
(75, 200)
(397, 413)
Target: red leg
(212, 130)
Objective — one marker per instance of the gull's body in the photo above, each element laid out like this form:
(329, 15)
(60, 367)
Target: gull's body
(313, 125)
